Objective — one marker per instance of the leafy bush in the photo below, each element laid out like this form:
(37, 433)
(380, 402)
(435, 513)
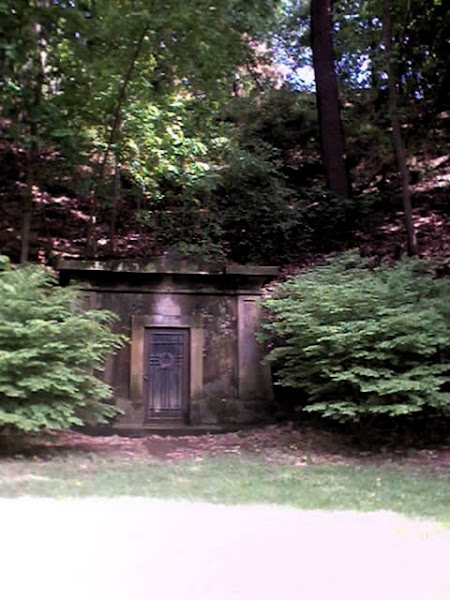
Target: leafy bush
(359, 342)
(5, 263)
(252, 202)
(49, 348)
(325, 220)
(234, 187)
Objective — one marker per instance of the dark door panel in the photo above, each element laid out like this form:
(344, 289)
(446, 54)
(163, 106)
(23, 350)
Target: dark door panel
(166, 373)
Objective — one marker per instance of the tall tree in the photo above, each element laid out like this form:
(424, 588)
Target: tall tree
(35, 72)
(163, 49)
(397, 132)
(97, 74)
(23, 71)
(327, 97)
(35, 36)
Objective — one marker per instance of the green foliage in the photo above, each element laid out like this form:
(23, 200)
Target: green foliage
(5, 263)
(49, 349)
(325, 220)
(420, 30)
(68, 69)
(173, 151)
(223, 187)
(268, 211)
(173, 143)
(361, 342)
(252, 203)
(265, 220)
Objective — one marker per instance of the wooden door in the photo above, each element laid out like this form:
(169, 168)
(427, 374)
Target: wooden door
(166, 373)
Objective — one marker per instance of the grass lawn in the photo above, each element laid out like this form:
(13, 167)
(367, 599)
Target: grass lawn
(415, 491)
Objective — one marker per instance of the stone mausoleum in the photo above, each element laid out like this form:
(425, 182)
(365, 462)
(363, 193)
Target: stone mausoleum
(193, 358)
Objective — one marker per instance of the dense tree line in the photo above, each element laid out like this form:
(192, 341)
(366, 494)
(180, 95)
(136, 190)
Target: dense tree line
(184, 123)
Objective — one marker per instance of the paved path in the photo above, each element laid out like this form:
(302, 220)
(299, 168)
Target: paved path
(139, 549)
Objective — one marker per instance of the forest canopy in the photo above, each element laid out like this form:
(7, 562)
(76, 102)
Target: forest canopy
(140, 127)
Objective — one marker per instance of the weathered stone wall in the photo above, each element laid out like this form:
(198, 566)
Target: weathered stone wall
(218, 401)
(228, 384)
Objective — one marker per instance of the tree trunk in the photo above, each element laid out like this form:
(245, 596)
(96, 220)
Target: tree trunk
(27, 207)
(115, 207)
(397, 133)
(36, 72)
(91, 245)
(331, 133)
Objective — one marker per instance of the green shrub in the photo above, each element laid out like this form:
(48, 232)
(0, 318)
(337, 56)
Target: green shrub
(5, 263)
(49, 348)
(359, 342)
